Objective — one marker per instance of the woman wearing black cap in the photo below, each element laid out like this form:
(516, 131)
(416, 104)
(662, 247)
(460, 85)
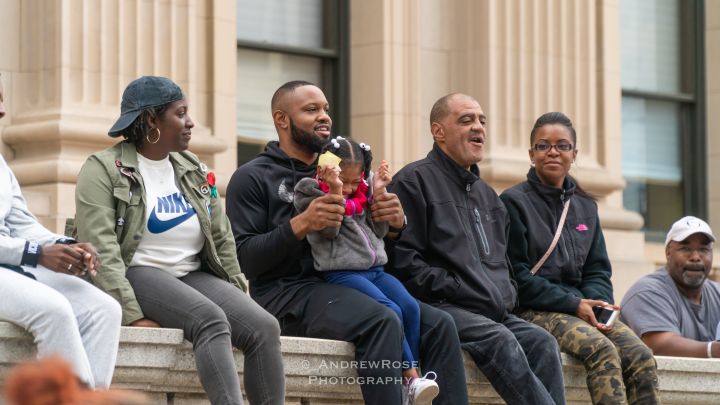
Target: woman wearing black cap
(168, 253)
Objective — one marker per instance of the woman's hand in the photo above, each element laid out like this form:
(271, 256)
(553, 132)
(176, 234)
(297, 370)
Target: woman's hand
(585, 312)
(145, 323)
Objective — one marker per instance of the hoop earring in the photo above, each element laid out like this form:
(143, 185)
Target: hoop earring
(147, 136)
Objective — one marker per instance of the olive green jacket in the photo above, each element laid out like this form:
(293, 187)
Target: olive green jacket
(110, 201)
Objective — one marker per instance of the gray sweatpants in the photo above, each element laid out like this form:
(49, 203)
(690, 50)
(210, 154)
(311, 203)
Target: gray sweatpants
(215, 315)
(68, 317)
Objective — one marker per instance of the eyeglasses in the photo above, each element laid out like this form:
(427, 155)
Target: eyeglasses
(560, 147)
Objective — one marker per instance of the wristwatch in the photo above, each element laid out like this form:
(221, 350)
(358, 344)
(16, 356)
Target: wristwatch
(402, 228)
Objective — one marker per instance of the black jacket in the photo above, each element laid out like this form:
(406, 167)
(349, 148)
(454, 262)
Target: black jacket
(578, 267)
(454, 247)
(259, 204)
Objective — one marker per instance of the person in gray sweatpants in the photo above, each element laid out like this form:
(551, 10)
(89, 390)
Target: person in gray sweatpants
(66, 315)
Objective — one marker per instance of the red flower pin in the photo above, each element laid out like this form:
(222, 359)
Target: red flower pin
(211, 182)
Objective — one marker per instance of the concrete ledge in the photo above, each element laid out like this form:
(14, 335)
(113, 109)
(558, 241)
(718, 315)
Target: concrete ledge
(161, 364)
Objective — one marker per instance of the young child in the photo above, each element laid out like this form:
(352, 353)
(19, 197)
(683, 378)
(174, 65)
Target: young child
(354, 254)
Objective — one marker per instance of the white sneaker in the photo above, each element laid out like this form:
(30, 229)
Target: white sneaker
(405, 396)
(421, 391)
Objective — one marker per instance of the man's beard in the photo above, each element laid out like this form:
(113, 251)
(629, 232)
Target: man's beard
(306, 140)
(693, 279)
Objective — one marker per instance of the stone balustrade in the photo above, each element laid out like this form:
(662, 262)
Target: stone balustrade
(160, 363)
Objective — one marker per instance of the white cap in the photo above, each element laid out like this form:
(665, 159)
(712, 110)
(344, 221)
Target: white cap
(686, 226)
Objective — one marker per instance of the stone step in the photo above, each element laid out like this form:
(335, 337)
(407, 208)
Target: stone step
(161, 364)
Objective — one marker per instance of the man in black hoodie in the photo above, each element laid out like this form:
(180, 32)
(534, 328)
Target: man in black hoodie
(453, 256)
(275, 256)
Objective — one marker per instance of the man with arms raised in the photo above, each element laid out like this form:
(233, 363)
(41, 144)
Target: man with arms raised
(276, 257)
(453, 256)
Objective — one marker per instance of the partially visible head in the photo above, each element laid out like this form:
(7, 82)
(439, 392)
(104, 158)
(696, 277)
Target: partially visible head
(279, 100)
(2, 99)
(40, 382)
(154, 111)
(300, 114)
(51, 381)
(552, 118)
(552, 150)
(356, 161)
(688, 250)
(457, 124)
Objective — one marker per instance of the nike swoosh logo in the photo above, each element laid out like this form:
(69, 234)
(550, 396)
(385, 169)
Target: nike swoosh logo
(156, 225)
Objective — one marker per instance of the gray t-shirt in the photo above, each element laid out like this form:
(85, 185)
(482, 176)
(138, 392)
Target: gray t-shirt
(654, 304)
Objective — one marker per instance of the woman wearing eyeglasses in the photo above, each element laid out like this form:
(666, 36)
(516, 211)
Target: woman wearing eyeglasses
(563, 275)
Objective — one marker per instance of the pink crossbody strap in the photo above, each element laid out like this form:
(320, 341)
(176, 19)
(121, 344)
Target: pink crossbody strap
(555, 240)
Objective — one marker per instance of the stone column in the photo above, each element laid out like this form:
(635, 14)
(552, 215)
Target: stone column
(712, 65)
(386, 88)
(75, 58)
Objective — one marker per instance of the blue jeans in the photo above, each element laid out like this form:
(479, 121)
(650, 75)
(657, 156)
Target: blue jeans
(387, 290)
(520, 360)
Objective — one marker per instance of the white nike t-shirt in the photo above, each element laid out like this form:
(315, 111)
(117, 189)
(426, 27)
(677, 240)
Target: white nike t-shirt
(172, 237)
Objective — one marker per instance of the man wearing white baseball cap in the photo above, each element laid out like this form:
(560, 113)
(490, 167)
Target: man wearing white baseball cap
(676, 310)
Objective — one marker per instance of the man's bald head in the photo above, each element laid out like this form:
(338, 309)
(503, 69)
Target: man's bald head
(441, 109)
(285, 89)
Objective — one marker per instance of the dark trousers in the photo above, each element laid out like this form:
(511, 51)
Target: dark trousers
(387, 290)
(330, 311)
(521, 360)
(215, 315)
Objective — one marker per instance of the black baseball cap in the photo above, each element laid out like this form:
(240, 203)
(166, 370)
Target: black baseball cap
(142, 93)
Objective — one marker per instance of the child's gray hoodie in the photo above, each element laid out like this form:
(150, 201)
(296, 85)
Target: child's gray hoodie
(357, 245)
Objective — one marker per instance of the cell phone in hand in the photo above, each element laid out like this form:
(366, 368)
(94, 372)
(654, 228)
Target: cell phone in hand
(606, 315)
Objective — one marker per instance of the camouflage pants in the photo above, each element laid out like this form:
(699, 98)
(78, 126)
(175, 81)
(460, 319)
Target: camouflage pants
(617, 362)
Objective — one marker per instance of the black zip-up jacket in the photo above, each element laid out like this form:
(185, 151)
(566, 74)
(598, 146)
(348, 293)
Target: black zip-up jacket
(454, 247)
(259, 204)
(578, 267)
